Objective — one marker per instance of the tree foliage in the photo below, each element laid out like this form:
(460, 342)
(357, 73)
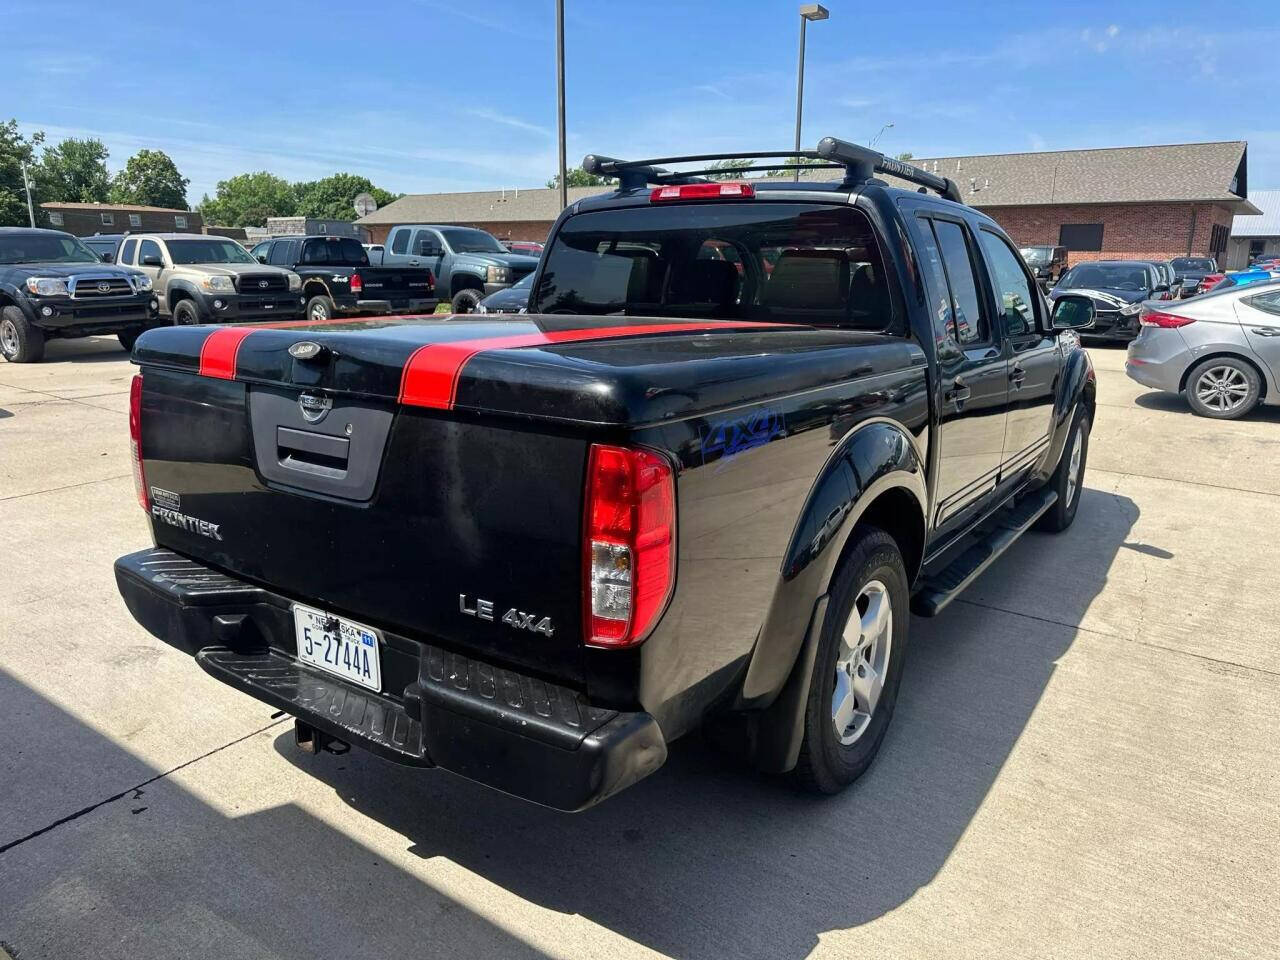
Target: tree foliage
(728, 169)
(15, 150)
(333, 197)
(577, 177)
(248, 199)
(75, 171)
(150, 178)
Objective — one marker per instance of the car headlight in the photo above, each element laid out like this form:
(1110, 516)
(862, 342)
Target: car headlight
(1129, 309)
(141, 282)
(497, 274)
(47, 286)
(218, 284)
(295, 281)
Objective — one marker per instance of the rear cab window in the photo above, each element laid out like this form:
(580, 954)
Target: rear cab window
(784, 262)
(340, 251)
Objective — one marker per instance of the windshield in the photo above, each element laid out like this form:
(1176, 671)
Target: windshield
(1106, 276)
(463, 240)
(339, 251)
(1193, 263)
(802, 263)
(44, 248)
(208, 251)
(1037, 255)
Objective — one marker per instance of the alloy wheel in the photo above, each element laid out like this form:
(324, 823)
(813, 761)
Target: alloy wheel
(1073, 468)
(1222, 388)
(862, 662)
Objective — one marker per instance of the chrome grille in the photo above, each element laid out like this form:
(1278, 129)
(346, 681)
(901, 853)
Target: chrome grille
(95, 288)
(261, 282)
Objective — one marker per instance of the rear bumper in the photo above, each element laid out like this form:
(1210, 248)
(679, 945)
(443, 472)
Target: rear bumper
(509, 731)
(1158, 358)
(393, 305)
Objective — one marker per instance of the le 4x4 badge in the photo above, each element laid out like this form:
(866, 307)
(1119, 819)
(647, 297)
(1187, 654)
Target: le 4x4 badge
(517, 619)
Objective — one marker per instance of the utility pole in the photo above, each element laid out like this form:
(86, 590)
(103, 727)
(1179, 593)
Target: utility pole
(564, 186)
(31, 213)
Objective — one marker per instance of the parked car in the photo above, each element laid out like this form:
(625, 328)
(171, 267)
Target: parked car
(468, 264)
(104, 245)
(210, 279)
(374, 252)
(1189, 271)
(1118, 288)
(1047, 262)
(338, 280)
(1238, 278)
(1168, 279)
(532, 552)
(1221, 351)
(514, 299)
(53, 286)
(530, 247)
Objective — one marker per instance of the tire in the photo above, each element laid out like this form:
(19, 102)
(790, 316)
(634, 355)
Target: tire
(872, 575)
(21, 341)
(185, 314)
(1223, 388)
(320, 308)
(128, 338)
(465, 301)
(1068, 478)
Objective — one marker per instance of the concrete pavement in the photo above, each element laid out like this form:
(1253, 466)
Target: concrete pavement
(1082, 764)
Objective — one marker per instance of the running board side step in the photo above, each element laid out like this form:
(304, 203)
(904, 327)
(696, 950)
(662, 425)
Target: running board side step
(939, 589)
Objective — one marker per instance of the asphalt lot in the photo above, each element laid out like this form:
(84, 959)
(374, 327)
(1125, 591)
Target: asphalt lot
(1083, 762)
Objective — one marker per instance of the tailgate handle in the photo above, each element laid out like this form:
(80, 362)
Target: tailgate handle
(315, 453)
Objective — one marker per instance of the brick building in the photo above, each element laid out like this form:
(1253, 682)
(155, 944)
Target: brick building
(1118, 202)
(86, 219)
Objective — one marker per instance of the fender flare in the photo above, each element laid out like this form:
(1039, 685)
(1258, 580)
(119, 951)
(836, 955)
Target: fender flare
(189, 291)
(470, 277)
(1077, 384)
(18, 299)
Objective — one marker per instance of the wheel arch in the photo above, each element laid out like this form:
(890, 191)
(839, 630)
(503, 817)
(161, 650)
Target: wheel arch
(459, 281)
(1226, 355)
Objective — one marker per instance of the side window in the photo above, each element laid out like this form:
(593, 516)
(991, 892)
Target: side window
(149, 248)
(128, 250)
(419, 237)
(1269, 302)
(280, 254)
(400, 241)
(1014, 295)
(261, 250)
(966, 303)
(935, 284)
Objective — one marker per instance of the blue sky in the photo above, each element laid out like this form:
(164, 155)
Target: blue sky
(425, 95)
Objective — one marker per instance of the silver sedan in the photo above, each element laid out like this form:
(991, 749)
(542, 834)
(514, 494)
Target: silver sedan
(1219, 350)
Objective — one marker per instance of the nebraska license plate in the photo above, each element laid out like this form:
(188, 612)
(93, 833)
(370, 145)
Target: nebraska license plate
(340, 646)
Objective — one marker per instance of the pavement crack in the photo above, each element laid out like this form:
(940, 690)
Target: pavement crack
(69, 486)
(1194, 483)
(136, 790)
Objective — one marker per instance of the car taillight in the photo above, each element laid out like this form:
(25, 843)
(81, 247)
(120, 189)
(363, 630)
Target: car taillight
(357, 283)
(702, 191)
(629, 544)
(135, 441)
(1158, 318)
(431, 280)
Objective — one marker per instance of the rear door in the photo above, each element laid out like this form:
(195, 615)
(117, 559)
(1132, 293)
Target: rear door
(1260, 317)
(972, 368)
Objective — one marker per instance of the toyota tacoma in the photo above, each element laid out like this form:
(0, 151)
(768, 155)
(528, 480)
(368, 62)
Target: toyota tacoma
(744, 430)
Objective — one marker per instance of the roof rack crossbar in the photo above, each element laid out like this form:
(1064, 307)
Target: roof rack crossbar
(860, 164)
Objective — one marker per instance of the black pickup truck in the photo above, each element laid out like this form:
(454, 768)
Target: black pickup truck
(743, 431)
(53, 286)
(338, 280)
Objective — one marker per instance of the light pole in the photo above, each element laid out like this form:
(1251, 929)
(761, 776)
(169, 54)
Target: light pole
(564, 186)
(31, 213)
(808, 11)
(872, 141)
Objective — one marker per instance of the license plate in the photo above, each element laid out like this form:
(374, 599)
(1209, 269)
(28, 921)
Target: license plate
(340, 646)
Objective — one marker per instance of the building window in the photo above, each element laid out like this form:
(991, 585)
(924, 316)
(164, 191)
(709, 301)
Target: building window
(180, 221)
(1080, 236)
(108, 219)
(135, 219)
(322, 228)
(1218, 239)
(55, 219)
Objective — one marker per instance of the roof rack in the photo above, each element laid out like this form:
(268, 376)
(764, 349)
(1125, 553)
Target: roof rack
(860, 165)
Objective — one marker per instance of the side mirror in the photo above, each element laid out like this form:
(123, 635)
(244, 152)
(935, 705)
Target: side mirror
(262, 258)
(108, 257)
(1072, 312)
(428, 249)
(151, 260)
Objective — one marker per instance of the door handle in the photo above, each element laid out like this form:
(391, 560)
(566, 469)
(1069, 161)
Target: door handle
(1017, 375)
(413, 263)
(1266, 331)
(958, 393)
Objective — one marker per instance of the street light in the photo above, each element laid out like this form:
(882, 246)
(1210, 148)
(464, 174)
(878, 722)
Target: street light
(808, 11)
(564, 187)
(872, 141)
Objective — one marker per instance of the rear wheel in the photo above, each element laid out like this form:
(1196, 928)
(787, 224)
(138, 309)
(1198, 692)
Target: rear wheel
(1223, 388)
(858, 665)
(185, 314)
(1068, 479)
(465, 301)
(320, 308)
(20, 340)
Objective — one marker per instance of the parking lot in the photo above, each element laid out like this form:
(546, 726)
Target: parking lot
(1083, 762)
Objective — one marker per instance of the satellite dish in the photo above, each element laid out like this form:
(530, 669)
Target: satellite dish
(365, 204)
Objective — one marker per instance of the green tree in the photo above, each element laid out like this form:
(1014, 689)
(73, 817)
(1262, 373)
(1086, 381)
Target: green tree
(15, 150)
(152, 179)
(802, 161)
(248, 199)
(75, 171)
(333, 197)
(904, 157)
(728, 169)
(577, 177)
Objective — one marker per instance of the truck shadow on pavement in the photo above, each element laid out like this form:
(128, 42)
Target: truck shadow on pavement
(1175, 403)
(706, 859)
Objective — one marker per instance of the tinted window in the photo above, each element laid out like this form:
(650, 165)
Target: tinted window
(341, 251)
(1080, 236)
(1107, 276)
(935, 283)
(128, 250)
(1193, 263)
(44, 248)
(400, 241)
(282, 253)
(1014, 295)
(422, 236)
(466, 240)
(261, 250)
(966, 303)
(149, 248)
(1270, 302)
(777, 261)
(208, 250)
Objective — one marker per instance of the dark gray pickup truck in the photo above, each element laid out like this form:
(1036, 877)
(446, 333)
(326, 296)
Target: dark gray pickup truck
(743, 432)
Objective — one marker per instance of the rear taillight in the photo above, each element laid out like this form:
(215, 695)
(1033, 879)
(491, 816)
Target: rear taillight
(357, 283)
(431, 280)
(1158, 318)
(702, 191)
(629, 544)
(135, 441)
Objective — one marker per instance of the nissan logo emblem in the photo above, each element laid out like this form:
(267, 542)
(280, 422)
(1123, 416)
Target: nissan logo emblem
(104, 287)
(314, 407)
